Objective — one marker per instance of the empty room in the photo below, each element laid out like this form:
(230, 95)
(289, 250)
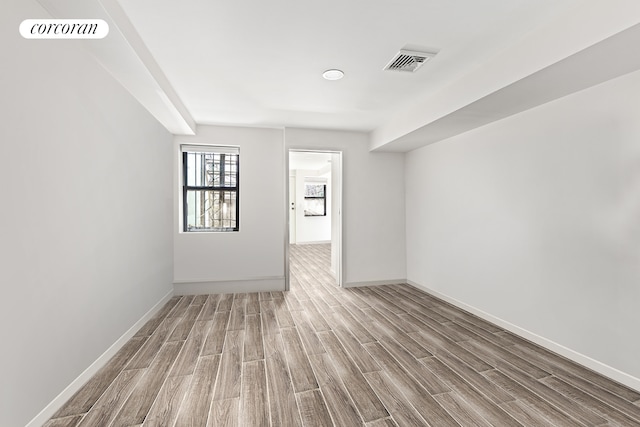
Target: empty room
(345, 213)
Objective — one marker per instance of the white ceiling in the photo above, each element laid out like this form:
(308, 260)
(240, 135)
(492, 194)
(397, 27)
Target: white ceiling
(259, 63)
(306, 160)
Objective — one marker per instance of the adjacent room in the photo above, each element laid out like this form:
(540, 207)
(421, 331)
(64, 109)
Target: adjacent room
(364, 213)
(315, 186)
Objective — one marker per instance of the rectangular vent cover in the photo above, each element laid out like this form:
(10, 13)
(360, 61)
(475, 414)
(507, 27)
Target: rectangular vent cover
(408, 60)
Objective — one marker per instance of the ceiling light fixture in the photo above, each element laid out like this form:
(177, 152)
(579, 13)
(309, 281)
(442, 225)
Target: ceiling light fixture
(333, 74)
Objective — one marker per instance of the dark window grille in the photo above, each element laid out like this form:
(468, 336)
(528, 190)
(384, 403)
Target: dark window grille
(315, 200)
(210, 190)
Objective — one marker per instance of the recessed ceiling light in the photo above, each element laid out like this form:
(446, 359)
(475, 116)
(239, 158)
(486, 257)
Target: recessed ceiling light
(333, 74)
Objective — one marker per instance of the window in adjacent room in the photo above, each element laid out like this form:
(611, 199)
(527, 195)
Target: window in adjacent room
(210, 194)
(315, 200)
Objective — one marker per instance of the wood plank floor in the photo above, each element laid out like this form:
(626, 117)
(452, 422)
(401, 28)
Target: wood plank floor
(321, 356)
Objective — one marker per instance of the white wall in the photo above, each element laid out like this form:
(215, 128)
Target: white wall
(373, 227)
(536, 220)
(312, 229)
(253, 258)
(86, 214)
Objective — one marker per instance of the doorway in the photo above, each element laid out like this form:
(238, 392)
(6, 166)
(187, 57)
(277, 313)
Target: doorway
(314, 206)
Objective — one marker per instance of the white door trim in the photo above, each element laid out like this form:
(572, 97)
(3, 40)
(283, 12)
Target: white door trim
(336, 201)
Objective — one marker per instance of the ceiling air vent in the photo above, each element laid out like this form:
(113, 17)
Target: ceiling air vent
(408, 60)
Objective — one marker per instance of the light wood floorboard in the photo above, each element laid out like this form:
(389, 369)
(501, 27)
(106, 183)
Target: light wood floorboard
(319, 355)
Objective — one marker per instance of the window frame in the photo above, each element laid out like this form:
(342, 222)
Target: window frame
(323, 197)
(212, 149)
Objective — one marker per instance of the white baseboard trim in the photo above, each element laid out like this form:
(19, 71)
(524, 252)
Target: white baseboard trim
(586, 361)
(263, 284)
(313, 242)
(374, 283)
(76, 384)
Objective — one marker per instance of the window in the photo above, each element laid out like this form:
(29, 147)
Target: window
(210, 192)
(315, 201)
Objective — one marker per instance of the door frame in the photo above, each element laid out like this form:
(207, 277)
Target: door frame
(292, 208)
(337, 199)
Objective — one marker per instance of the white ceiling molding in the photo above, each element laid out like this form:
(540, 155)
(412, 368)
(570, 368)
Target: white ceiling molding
(123, 54)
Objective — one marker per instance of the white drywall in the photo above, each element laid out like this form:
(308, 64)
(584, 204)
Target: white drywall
(255, 254)
(86, 246)
(373, 227)
(536, 220)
